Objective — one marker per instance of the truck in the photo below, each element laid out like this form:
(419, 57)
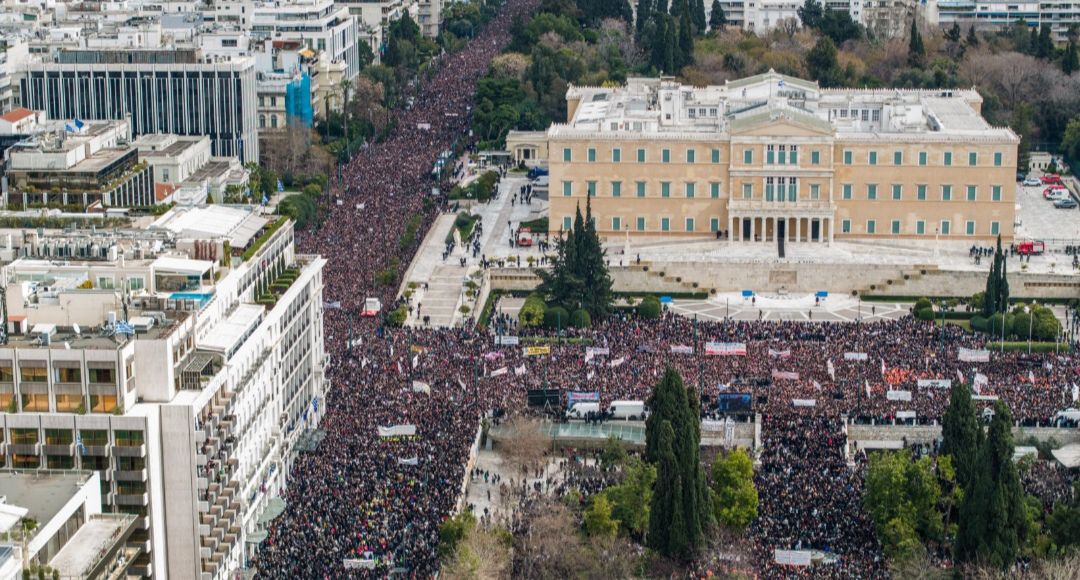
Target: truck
(372, 307)
(628, 410)
(1030, 248)
(582, 408)
(524, 237)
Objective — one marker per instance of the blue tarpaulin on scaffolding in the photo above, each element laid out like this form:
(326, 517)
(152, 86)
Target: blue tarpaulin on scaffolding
(298, 101)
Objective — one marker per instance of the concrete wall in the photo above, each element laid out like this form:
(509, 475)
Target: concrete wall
(928, 433)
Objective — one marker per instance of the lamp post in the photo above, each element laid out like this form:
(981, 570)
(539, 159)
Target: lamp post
(1031, 319)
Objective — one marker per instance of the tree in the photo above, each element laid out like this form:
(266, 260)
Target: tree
(1044, 44)
(1069, 61)
(644, 13)
(698, 16)
(811, 13)
(1070, 142)
(972, 36)
(961, 435)
(681, 505)
(717, 18)
(993, 520)
(632, 498)
(916, 49)
(1021, 125)
(735, 499)
(579, 277)
(532, 312)
(996, 297)
(822, 63)
(953, 33)
(901, 496)
(598, 520)
(686, 36)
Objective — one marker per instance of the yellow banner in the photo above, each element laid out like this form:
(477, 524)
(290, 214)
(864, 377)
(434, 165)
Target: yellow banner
(417, 348)
(537, 350)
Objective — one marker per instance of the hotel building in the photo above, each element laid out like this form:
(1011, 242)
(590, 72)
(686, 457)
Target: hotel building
(772, 156)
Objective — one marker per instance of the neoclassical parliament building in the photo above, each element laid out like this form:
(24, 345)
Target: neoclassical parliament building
(774, 156)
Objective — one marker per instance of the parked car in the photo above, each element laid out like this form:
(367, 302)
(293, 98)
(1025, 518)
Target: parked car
(1053, 188)
(1050, 178)
(1032, 182)
(1068, 203)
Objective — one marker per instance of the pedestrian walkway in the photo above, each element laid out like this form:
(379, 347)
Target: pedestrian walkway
(440, 301)
(802, 307)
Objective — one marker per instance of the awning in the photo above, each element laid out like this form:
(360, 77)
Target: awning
(275, 506)
(1069, 455)
(182, 266)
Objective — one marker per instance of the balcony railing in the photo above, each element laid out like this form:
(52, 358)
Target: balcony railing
(765, 205)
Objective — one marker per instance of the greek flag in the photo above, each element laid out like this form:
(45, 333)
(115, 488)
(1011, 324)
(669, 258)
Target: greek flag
(79, 444)
(780, 84)
(315, 404)
(123, 327)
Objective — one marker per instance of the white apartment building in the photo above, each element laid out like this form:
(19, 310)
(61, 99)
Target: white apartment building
(995, 14)
(318, 24)
(14, 52)
(181, 362)
(376, 16)
(884, 17)
(185, 171)
(429, 17)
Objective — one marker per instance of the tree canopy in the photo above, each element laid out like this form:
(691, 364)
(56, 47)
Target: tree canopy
(578, 278)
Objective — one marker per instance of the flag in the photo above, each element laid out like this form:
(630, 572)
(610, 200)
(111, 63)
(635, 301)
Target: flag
(780, 353)
(520, 370)
(817, 386)
(415, 360)
(421, 387)
(832, 369)
(122, 327)
(867, 387)
(617, 362)
(1076, 392)
(959, 375)
(82, 448)
(315, 404)
(1031, 376)
(363, 363)
(882, 367)
(590, 375)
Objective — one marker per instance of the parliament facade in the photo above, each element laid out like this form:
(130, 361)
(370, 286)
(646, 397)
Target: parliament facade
(774, 156)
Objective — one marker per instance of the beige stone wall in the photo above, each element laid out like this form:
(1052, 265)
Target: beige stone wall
(824, 167)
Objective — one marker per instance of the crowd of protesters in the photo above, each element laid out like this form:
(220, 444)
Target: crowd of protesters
(379, 501)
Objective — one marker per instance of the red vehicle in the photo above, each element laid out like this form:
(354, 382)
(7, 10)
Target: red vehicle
(1030, 248)
(1050, 178)
(1052, 189)
(525, 237)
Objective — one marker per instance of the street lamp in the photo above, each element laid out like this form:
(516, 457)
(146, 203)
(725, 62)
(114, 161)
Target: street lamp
(1031, 319)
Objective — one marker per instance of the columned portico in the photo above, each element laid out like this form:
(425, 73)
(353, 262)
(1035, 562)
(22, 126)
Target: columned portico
(755, 221)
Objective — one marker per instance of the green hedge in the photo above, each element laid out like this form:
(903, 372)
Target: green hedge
(1042, 347)
(267, 234)
(957, 315)
(489, 309)
(556, 317)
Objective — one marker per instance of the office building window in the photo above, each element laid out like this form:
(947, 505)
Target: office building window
(616, 224)
(616, 155)
(871, 226)
(566, 154)
(714, 190)
(945, 227)
(714, 224)
(947, 159)
(770, 154)
(921, 195)
(591, 186)
(641, 156)
(895, 227)
(640, 188)
(748, 190)
(815, 191)
(616, 189)
(689, 224)
(665, 189)
(793, 158)
(782, 155)
(566, 226)
(973, 158)
(716, 156)
(592, 155)
(689, 190)
(970, 228)
(815, 158)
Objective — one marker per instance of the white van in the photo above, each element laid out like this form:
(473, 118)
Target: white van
(1058, 194)
(629, 410)
(582, 408)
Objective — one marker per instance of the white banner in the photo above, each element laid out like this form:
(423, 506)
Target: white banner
(591, 352)
(711, 425)
(804, 402)
(617, 362)
(520, 370)
(397, 431)
(780, 353)
(725, 349)
(973, 355)
(902, 415)
(898, 395)
(414, 460)
(506, 340)
(421, 387)
(832, 369)
(855, 356)
(498, 372)
(792, 557)
(984, 397)
(935, 383)
(355, 564)
(681, 349)
(785, 375)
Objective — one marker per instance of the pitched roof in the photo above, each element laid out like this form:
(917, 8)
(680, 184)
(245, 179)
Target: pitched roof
(16, 115)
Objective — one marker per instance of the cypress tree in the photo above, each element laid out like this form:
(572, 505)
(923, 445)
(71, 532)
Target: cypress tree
(681, 503)
(593, 272)
(990, 300)
(1003, 280)
(671, 44)
(1069, 62)
(961, 434)
(972, 37)
(916, 50)
(662, 6)
(700, 25)
(659, 42)
(717, 18)
(1044, 48)
(686, 37)
(993, 521)
(644, 13)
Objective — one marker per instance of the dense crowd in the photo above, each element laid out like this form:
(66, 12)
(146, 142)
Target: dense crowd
(380, 500)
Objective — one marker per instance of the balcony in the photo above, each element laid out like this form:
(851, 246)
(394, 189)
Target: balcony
(204, 507)
(806, 206)
(142, 569)
(131, 475)
(96, 450)
(200, 460)
(211, 567)
(129, 450)
(204, 553)
(60, 449)
(24, 448)
(136, 499)
(204, 530)
(200, 437)
(203, 483)
(209, 542)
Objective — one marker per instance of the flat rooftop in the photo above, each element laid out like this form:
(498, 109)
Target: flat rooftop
(83, 551)
(238, 224)
(43, 493)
